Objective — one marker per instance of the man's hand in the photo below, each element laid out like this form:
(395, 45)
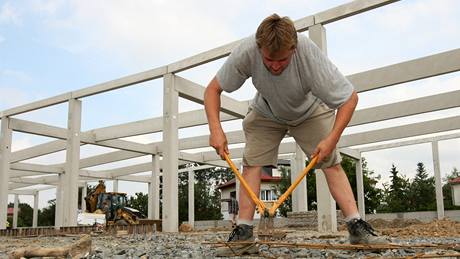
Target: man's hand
(218, 141)
(324, 148)
(342, 119)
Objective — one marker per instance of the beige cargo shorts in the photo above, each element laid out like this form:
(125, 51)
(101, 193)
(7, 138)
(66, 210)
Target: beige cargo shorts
(263, 137)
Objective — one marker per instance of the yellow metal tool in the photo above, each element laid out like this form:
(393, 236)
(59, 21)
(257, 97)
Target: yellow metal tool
(266, 225)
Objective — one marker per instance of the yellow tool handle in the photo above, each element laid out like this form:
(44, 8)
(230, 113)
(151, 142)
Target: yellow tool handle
(255, 199)
(291, 188)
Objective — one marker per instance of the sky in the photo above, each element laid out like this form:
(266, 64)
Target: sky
(50, 47)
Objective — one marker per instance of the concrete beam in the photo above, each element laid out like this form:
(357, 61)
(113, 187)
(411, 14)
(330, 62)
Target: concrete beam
(61, 133)
(5, 153)
(170, 219)
(195, 92)
(434, 65)
(154, 189)
(58, 99)
(409, 142)
(15, 211)
(154, 125)
(35, 212)
(37, 168)
(398, 132)
(38, 150)
(191, 197)
(437, 179)
(349, 9)
(137, 78)
(327, 220)
(299, 195)
(407, 108)
(72, 168)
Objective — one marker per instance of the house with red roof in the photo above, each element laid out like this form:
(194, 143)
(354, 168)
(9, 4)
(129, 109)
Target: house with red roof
(455, 187)
(270, 179)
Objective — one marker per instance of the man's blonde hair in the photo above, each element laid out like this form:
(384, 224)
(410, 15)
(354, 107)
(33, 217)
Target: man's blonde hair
(276, 33)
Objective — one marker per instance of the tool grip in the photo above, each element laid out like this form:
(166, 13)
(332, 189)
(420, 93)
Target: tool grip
(260, 205)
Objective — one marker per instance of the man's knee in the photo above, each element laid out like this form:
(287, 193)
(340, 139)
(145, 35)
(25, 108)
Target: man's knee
(248, 168)
(334, 168)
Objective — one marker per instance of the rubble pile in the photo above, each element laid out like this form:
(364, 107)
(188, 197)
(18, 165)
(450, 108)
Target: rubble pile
(199, 244)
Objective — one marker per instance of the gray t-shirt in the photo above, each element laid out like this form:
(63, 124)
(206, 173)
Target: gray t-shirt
(292, 96)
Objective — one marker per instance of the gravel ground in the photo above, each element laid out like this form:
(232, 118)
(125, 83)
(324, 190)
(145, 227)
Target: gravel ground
(191, 244)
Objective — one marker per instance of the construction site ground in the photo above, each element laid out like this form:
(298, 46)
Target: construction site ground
(411, 239)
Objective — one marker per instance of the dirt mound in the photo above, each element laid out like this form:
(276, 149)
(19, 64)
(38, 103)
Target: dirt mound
(395, 223)
(436, 228)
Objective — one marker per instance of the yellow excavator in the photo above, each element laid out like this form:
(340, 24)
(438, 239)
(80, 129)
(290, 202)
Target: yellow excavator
(113, 205)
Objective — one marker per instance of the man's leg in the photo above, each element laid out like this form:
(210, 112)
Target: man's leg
(247, 207)
(340, 189)
(360, 231)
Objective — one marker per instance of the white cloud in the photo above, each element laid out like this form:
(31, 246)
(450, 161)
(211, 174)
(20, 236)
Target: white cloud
(141, 32)
(49, 7)
(9, 14)
(10, 97)
(16, 75)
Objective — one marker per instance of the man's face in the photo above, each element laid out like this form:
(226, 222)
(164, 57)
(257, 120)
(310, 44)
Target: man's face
(278, 61)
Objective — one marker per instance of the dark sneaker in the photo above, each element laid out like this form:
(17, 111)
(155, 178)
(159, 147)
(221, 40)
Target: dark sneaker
(240, 233)
(362, 232)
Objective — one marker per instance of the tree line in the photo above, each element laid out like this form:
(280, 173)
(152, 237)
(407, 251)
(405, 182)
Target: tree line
(401, 194)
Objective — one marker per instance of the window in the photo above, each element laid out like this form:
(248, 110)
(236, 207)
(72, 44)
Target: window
(268, 195)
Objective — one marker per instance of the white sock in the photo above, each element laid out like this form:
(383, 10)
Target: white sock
(244, 221)
(352, 216)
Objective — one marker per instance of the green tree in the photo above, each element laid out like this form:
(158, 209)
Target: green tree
(281, 188)
(46, 215)
(372, 194)
(397, 197)
(25, 214)
(139, 202)
(207, 196)
(422, 193)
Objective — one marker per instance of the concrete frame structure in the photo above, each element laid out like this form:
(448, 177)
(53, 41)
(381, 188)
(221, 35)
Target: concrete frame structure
(15, 174)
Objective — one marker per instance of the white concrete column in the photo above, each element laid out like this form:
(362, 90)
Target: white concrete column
(299, 195)
(360, 188)
(5, 153)
(170, 155)
(437, 179)
(59, 211)
(15, 211)
(154, 189)
(327, 214)
(327, 219)
(72, 168)
(35, 213)
(84, 192)
(115, 185)
(191, 197)
(238, 186)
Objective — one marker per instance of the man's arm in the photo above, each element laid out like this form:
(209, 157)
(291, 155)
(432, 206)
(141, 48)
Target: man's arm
(217, 138)
(343, 117)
